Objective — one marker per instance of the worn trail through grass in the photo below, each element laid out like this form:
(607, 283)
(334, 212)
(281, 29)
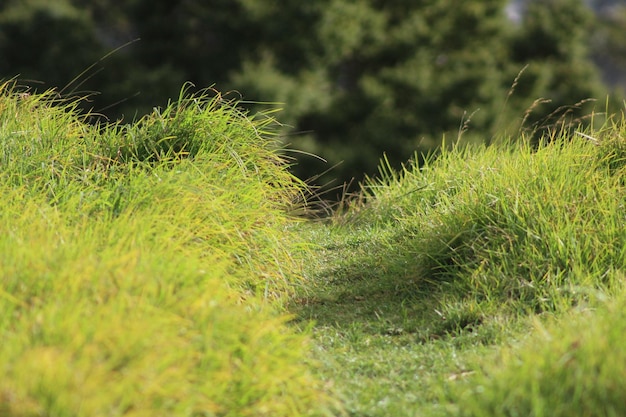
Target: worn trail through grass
(426, 298)
(158, 269)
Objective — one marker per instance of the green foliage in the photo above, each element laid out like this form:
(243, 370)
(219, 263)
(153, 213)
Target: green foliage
(390, 77)
(513, 224)
(571, 367)
(131, 256)
(609, 42)
(554, 41)
(356, 78)
(35, 42)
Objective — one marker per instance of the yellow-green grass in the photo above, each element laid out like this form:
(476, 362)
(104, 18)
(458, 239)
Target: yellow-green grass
(145, 267)
(142, 266)
(442, 264)
(570, 366)
(513, 226)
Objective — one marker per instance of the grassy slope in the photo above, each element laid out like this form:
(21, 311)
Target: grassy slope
(420, 289)
(144, 268)
(138, 263)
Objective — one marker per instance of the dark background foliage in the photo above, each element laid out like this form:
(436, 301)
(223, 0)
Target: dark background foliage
(355, 78)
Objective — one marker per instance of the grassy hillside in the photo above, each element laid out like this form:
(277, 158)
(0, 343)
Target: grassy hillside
(156, 268)
(435, 289)
(142, 266)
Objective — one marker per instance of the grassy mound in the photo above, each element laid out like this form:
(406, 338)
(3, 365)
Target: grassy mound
(572, 367)
(199, 162)
(132, 257)
(511, 227)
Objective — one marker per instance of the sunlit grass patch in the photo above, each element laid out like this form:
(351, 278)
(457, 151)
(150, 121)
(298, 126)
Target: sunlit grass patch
(511, 224)
(570, 366)
(212, 173)
(143, 266)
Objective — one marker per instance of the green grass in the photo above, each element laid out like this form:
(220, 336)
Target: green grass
(157, 268)
(144, 266)
(446, 264)
(566, 368)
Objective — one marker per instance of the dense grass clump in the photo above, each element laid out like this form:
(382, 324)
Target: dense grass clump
(572, 367)
(199, 164)
(513, 225)
(142, 265)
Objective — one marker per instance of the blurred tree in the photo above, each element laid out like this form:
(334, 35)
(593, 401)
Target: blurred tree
(36, 45)
(554, 41)
(396, 76)
(386, 76)
(168, 44)
(357, 77)
(609, 42)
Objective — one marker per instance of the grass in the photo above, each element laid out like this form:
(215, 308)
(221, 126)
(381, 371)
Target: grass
(571, 369)
(157, 268)
(447, 265)
(387, 343)
(144, 266)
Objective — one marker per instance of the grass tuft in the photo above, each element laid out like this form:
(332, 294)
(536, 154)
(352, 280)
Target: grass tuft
(144, 266)
(568, 367)
(513, 224)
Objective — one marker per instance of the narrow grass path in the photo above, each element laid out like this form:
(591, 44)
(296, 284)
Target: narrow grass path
(383, 337)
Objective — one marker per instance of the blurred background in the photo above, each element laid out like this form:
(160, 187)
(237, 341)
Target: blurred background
(355, 79)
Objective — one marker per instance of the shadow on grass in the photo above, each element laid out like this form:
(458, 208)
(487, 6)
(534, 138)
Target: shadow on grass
(382, 334)
(381, 294)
